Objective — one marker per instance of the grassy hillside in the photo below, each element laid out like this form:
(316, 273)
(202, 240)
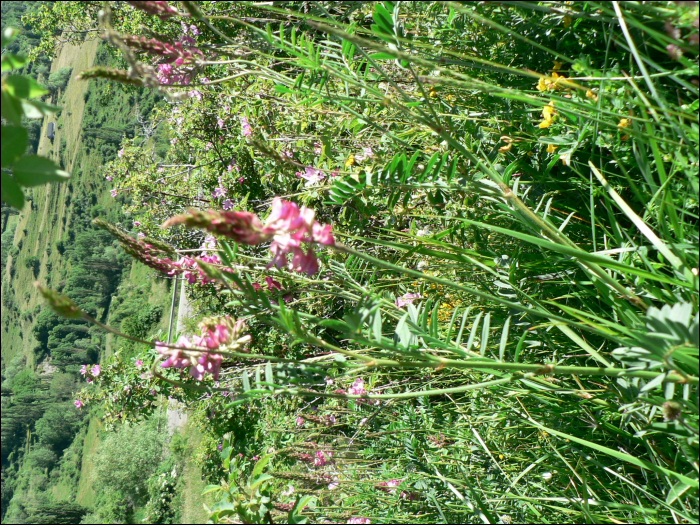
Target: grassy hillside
(50, 235)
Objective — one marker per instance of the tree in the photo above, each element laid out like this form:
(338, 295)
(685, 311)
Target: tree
(42, 458)
(56, 512)
(58, 426)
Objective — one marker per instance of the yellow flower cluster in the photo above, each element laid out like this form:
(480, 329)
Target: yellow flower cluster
(548, 115)
(551, 84)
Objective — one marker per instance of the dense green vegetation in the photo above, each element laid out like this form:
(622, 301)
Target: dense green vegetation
(499, 323)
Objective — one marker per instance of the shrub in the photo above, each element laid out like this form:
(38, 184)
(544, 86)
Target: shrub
(34, 263)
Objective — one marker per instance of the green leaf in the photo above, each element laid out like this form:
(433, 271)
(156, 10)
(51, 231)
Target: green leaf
(22, 86)
(10, 192)
(37, 109)
(32, 170)
(10, 61)
(11, 108)
(8, 35)
(260, 465)
(381, 56)
(14, 143)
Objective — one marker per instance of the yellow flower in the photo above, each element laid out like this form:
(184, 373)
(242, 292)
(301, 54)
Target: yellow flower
(567, 20)
(548, 114)
(542, 84)
(551, 148)
(432, 93)
(350, 161)
(506, 148)
(624, 123)
(557, 65)
(592, 96)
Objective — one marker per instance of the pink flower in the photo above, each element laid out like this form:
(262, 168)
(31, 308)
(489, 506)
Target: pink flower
(333, 484)
(312, 176)
(317, 148)
(120, 153)
(219, 192)
(184, 27)
(95, 370)
(204, 80)
(300, 421)
(195, 94)
(227, 204)
(108, 178)
(230, 168)
(78, 403)
(173, 141)
(407, 298)
(113, 193)
(137, 223)
(272, 284)
(361, 521)
(220, 122)
(322, 458)
(140, 235)
(83, 369)
(138, 363)
(369, 153)
(194, 30)
(357, 388)
(245, 127)
(255, 458)
(334, 173)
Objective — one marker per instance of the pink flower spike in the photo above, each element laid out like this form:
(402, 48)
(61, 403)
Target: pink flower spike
(78, 403)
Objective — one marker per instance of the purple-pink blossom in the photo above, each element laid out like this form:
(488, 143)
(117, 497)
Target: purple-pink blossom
(219, 192)
(322, 458)
(83, 369)
(312, 176)
(140, 235)
(137, 223)
(407, 298)
(113, 193)
(108, 178)
(120, 154)
(300, 421)
(196, 94)
(220, 122)
(78, 403)
(361, 521)
(287, 227)
(138, 363)
(194, 29)
(245, 127)
(95, 370)
(227, 204)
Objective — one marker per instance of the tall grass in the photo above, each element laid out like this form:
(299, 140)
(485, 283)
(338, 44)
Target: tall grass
(533, 175)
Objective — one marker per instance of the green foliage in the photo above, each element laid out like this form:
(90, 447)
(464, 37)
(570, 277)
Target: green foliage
(56, 512)
(59, 79)
(516, 292)
(25, 382)
(127, 458)
(17, 94)
(34, 263)
(58, 426)
(42, 458)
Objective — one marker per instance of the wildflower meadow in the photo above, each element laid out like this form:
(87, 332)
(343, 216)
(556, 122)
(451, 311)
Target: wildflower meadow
(442, 257)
